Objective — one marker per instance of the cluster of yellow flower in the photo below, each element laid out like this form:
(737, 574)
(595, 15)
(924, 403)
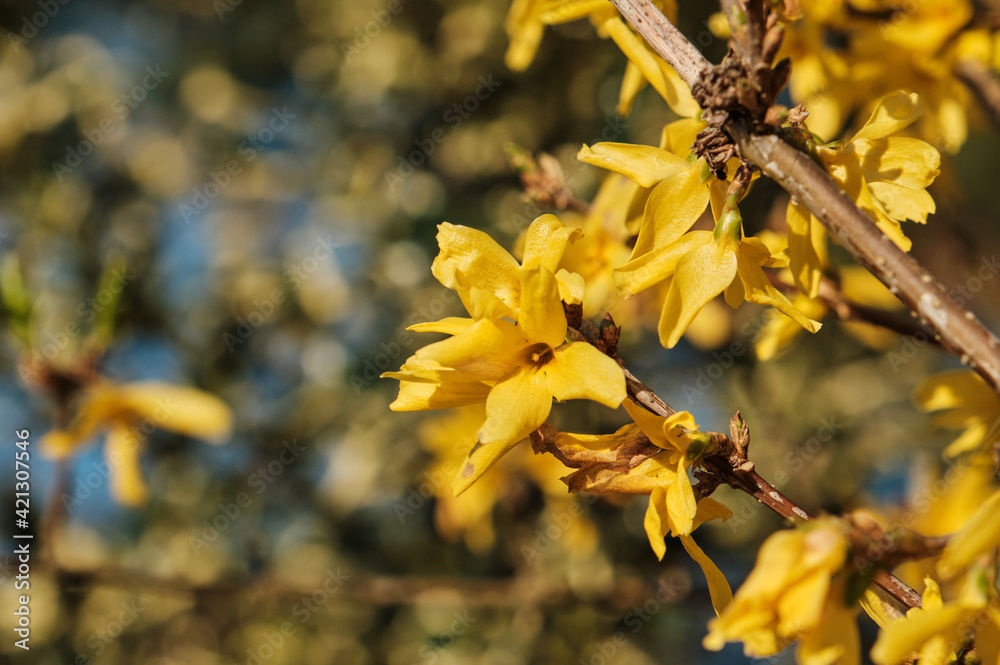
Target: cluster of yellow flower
(889, 62)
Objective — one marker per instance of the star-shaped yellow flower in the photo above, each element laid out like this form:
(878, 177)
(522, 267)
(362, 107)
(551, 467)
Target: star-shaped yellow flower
(966, 402)
(516, 368)
(127, 411)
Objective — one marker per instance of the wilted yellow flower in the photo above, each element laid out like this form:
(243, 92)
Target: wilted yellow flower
(129, 412)
(966, 402)
(794, 593)
(885, 175)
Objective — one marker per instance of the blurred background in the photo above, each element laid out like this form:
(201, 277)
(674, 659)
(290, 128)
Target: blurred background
(242, 197)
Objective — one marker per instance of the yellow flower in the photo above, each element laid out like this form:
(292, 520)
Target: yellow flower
(966, 403)
(672, 506)
(980, 534)
(674, 186)
(488, 279)
(517, 369)
(126, 412)
(794, 593)
(885, 175)
(937, 631)
(701, 265)
(526, 23)
(470, 516)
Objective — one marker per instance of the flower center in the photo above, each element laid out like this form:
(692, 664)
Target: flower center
(540, 354)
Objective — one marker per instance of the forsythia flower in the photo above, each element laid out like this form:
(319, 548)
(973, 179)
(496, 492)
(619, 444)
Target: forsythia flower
(794, 593)
(937, 631)
(674, 186)
(517, 369)
(980, 534)
(701, 265)
(123, 410)
(885, 175)
(966, 402)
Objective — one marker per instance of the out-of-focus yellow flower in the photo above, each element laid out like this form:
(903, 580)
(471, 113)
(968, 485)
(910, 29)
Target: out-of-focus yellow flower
(469, 516)
(794, 593)
(967, 403)
(516, 369)
(933, 634)
(885, 175)
(127, 412)
(526, 23)
(979, 535)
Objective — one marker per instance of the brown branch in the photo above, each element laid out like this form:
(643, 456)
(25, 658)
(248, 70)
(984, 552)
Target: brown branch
(848, 310)
(983, 85)
(730, 465)
(961, 332)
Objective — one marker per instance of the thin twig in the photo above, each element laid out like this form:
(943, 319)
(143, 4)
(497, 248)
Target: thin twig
(731, 466)
(983, 85)
(961, 332)
(848, 310)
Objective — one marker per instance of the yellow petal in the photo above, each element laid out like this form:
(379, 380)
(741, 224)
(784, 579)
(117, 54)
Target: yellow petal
(563, 11)
(679, 136)
(834, 640)
(542, 318)
(902, 203)
(487, 350)
(806, 248)
(672, 208)
(58, 444)
(580, 371)
(479, 460)
(718, 586)
(122, 453)
(879, 610)
(516, 406)
(901, 639)
(710, 509)
(908, 162)
(681, 504)
(650, 423)
(894, 112)
(701, 275)
(653, 267)
(980, 534)
(758, 287)
(476, 257)
(451, 325)
(664, 79)
(644, 164)
(572, 287)
(424, 396)
(545, 242)
(655, 522)
(632, 84)
(525, 33)
(188, 411)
